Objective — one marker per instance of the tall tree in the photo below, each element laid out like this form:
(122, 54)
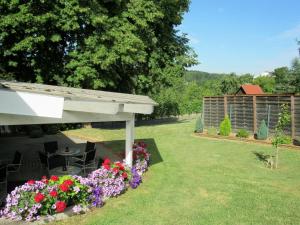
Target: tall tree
(122, 45)
(283, 80)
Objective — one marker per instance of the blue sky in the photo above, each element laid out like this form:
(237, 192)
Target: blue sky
(250, 36)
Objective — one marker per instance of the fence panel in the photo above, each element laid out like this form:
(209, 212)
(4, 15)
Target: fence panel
(247, 111)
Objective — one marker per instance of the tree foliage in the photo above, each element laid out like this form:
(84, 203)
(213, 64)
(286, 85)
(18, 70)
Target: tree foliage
(122, 45)
(284, 119)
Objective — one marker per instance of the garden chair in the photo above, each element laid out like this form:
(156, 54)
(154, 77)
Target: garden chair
(16, 164)
(50, 147)
(3, 183)
(43, 159)
(90, 146)
(86, 161)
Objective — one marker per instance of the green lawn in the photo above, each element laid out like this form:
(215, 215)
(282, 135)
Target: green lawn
(196, 180)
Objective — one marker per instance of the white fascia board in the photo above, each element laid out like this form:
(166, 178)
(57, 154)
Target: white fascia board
(91, 107)
(138, 108)
(30, 104)
(68, 117)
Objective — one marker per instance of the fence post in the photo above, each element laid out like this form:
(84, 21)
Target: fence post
(293, 116)
(254, 114)
(225, 105)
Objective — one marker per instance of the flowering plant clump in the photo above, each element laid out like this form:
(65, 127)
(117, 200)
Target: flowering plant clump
(111, 177)
(141, 157)
(54, 194)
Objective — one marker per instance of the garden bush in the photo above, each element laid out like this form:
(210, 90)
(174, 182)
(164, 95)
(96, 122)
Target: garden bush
(242, 133)
(212, 131)
(285, 140)
(199, 125)
(262, 133)
(36, 198)
(225, 126)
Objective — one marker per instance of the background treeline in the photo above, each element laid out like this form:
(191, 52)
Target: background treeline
(185, 97)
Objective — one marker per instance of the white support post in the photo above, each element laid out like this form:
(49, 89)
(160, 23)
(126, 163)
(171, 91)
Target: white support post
(129, 140)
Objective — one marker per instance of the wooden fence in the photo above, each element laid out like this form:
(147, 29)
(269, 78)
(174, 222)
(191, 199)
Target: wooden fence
(247, 111)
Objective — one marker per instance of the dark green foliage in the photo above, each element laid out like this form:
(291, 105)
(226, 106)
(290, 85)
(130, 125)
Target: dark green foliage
(225, 126)
(199, 125)
(262, 133)
(125, 46)
(212, 131)
(242, 133)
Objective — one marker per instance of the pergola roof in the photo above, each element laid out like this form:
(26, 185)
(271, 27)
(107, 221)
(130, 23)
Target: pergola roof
(76, 93)
(30, 103)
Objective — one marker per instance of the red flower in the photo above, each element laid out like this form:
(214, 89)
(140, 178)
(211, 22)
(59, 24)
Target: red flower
(64, 187)
(60, 206)
(106, 162)
(124, 175)
(44, 178)
(39, 197)
(54, 178)
(106, 166)
(31, 182)
(68, 182)
(120, 165)
(45, 181)
(116, 170)
(53, 194)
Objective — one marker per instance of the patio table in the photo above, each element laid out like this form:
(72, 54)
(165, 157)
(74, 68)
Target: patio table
(71, 170)
(67, 153)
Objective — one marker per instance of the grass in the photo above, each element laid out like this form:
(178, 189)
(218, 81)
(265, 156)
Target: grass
(194, 180)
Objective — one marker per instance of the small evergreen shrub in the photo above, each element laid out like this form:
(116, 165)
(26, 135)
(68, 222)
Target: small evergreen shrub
(225, 127)
(199, 125)
(212, 131)
(242, 133)
(262, 133)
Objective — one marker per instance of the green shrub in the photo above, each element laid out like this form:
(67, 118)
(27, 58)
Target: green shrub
(199, 125)
(285, 140)
(225, 126)
(212, 131)
(262, 133)
(242, 133)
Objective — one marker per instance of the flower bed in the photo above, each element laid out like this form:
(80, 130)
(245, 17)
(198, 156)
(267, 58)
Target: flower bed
(34, 199)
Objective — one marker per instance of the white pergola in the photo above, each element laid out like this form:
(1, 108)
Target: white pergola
(28, 103)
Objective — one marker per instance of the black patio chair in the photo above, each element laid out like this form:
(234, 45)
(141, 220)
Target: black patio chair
(90, 146)
(3, 183)
(51, 147)
(16, 164)
(55, 161)
(87, 161)
(43, 159)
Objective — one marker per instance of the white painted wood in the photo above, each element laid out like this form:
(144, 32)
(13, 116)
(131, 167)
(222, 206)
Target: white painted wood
(91, 107)
(129, 140)
(138, 108)
(68, 117)
(30, 104)
(77, 93)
